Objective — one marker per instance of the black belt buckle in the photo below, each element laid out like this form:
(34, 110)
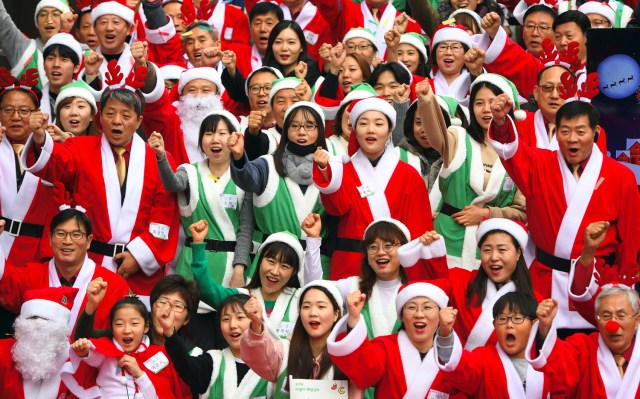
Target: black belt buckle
(18, 226)
(212, 246)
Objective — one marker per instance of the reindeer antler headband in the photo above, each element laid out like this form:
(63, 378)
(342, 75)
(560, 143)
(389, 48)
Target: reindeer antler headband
(189, 15)
(587, 91)
(135, 80)
(26, 82)
(568, 57)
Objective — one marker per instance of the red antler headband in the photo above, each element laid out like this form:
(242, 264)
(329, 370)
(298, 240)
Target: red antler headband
(189, 15)
(567, 58)
(27, 81)
(587, 91)
(135, 80)
(607, 277)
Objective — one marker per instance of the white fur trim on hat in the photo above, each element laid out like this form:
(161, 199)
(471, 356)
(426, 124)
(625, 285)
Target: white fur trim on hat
(205, 73)
(451, 33)
(359, 33)
(76, 91)
(57, 4)
(356, 95)
(329, 286)
(45, 309)
(291, 241)
(506, 88)
(431, 291)
(516, 230)
(113, 8)
(283, 84)
(595, 7)
(235, 124)
(415, 42)
(397, 223)
(373, 104)
(67, 40)
(307, 104)
(470, 13)
(261, 69)
(171, 72)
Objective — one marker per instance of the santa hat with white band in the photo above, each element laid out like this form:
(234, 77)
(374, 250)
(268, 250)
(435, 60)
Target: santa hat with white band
(397, 223)
(67, 40)
(235, 124)
(293, 242)
(261, 69)
(449, 31)
(52, 303)
(360, 33)
(206, 73)
(437, 290)
(171, 71)
(113, 8)
(59, 5)
(416, 40)
(516, 229)
(359, 107)
(600, 8)
(507, 88)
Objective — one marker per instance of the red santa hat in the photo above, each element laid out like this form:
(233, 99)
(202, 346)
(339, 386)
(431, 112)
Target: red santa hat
(206, 73)
(449, 31)
(59, 5)
(437, 290)
(359, 107)
(52, 303)
(600, 8)
(329, 286)
(67, 40)
(523, 6)
(117, 8)
(516, 229)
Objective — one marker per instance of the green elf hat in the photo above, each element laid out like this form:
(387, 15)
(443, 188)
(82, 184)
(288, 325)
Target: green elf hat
(416, 40)
(450, 105)
(362, 33)
(507, 87)
(331, 106)
(281, 84)
(77, 89)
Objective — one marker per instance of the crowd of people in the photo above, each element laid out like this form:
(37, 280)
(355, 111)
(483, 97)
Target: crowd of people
(313, 199)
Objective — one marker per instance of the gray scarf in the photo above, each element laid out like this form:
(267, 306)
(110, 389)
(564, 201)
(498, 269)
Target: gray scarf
(298, 168)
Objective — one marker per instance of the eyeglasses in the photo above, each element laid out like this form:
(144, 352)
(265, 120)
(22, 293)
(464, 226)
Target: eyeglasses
(621, 316)
(75, 235)
(455, 48)
(540, 28)
(9, 111)
(308, 127)
(550, 88)
(361, 47)
(515, 319)
(255, 89)
(387, 247)
(177, 307)
(412, 309)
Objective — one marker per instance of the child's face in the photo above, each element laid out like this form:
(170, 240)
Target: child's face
(128, 327)
(233, 322)
(512, 337)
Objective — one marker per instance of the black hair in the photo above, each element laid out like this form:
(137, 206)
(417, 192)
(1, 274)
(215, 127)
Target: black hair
(282, 253)
(576, 109)
(545, 69)
(433, 60)
(262, 69)
(539, 8)
(400, 73)
(265, 8)
(135, 100)
(64, 216)
(236, 302)
(210, 124)
(573, 16)
(34, 94)
(177, 284)
(269, 58)
(475, 131)
(308, 113)
(410, 118)
(387, 232)
(521, 278)
(63, 51)
(517, 302)
(300, 361)
(135, 303)
(76, 25)
(337, 126)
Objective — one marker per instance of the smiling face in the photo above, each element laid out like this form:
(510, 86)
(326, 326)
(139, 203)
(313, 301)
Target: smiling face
(60, 70)
(618, 308)
(287, 48)
(198, 40)
(468, 4)
(112, 33)
(317, 314)
(214, 144)
(409, 56)
(575, 139)
(282, 100)
(372, 132)
(274, 276)
(547, 93)
(303, 128)
(67, 252)
(418, 132)
(420, 318)
(361, 46)
(261, 26)
(512, 337)
(537, 27)
(119, 122)
(17, 126)
(75, 116)
(498, 257)
(128, 328)
(350, 74)
(482, 107)
(387, 85)
(233, 322)
(48, 22)
(450, 57)
(85, 32)
(385, 264)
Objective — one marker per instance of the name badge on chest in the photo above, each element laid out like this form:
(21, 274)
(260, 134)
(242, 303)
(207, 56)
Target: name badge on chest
(433, 394)
(507, 185)
(365, 191)
(229, 201)
(156, 362)
(159, 231)
(285, 329)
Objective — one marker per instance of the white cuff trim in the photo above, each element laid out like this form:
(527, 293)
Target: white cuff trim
(508, 150)
(44, 157)
(161, 35)
(144, 256)
(496, 47)
(547, 347)
(351, 341)
(591, 290)
(337, 169)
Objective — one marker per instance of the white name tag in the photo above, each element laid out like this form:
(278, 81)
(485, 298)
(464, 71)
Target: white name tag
(229, 201)
(318, 389)
(507, 185)
(156, 362)
(365, 191)
(433, 394)
(285, 329)
(312, 38)
(159, 231)
(257, 397)
(228, 33)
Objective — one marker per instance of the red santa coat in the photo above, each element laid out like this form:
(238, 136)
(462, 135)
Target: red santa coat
(231, 22)
(315, 27)
(585, 366)
(487, 372)
(390, 363)
(16, 280)
(559, 209)
(31, 204)
(12, 386)
(360, 193)
(146, 221)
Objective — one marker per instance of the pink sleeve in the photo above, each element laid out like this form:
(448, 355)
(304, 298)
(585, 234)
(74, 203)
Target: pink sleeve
(262, 353)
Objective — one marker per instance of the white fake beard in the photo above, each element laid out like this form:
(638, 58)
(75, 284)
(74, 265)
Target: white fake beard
(41, 347)
(192, 110)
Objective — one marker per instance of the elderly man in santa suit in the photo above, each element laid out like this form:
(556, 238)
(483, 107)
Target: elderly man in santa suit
(70, 237)
(30, 362)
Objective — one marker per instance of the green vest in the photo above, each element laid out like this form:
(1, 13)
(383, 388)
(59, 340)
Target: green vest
(206, 202)
(31, 58)
(251, 386)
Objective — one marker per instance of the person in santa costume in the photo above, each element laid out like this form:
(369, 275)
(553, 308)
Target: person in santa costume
(497, 370)
(581, 186)
(473, 181)
(401, 364)
(70, 236)
(30, 362)
(206, 191)
(124, 364)
(136, 223)
(373, 183)
(603, 364)
(537, 23)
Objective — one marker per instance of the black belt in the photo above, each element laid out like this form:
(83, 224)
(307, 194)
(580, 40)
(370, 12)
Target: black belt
(449, 210)
(214, 245)
(102, 248)
(349, 245)
(19, 228)
(564, 265)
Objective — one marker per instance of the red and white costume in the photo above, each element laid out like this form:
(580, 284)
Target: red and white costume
(585, 366)
(231, 23)
(315, 27)
(560, 209)
(146, 221)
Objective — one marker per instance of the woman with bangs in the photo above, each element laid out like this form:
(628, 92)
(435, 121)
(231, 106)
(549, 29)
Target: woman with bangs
(75, 108)
(392, 81)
